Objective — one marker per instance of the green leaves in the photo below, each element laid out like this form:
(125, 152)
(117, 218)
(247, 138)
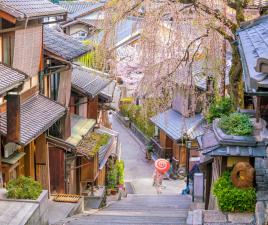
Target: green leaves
(218, 108)
(232, 199)
(23, 188)
(236, 124)
(140, 119)
(115, 174)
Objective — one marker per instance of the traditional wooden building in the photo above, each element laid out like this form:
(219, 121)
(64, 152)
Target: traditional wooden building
(252, 49)
(87, 84)
(26, 114)
(172, 132)
(84, 18)
(78, 89)
(221, 152)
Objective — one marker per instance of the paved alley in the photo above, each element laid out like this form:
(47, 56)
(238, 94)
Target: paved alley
(138, 170)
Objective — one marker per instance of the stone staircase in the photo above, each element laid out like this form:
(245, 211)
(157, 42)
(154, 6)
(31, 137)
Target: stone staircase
(138, 209)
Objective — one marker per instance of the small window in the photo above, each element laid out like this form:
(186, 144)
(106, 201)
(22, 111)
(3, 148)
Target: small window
(54, 85)
(8, 41)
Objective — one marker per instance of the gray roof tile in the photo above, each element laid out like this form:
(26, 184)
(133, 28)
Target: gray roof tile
(22, 9)
(87, 81)
(175, 125)
(37, 115)
(245, 151)
(76, 9)
(253, 45)
(63, 45)
(9, 78)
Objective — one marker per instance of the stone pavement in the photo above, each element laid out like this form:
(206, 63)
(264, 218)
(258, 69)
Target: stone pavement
(138, 170)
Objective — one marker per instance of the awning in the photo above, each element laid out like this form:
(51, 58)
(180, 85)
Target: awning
(87, 147)
(37, 114)
(176, 125)
(60, 143)
(14, 158)
(240, 151)
(10, 78)
(79, 128)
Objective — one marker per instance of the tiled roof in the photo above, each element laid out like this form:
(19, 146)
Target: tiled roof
(87, 81)
(253, 46)
(175, 125)
(108, 92)
(22, 9)
(9, 78)
(126, 31)
(76, 9)
(37, 115)
(63, 45)
(244, 151)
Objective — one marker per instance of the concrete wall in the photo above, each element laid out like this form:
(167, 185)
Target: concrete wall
(24, 212)
(40, 215)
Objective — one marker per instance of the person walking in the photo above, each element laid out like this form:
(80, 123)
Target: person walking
(157, 181)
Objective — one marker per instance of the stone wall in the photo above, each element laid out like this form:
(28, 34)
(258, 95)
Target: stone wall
(214, 217)
(24, 212)
(261, 168)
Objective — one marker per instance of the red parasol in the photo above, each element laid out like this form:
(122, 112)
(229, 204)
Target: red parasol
(162, 165)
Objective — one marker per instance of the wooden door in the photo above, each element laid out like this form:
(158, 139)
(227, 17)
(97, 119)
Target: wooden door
(57, 170)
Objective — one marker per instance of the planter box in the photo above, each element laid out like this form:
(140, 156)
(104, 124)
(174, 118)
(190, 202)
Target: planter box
(32, 212)
(226, 139)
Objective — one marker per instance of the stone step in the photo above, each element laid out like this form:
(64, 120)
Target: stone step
(148, 213)
(139, 209)
(127, 220)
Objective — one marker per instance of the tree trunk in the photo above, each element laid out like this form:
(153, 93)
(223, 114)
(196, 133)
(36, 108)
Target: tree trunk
(236, 81)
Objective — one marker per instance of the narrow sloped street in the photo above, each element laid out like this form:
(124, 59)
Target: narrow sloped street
(138, 170)
(142, 205)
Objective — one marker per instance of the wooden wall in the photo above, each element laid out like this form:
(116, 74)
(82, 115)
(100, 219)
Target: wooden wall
(89, 169)
(101, 177)
(57, 170)
(42, 162)
(92, 108)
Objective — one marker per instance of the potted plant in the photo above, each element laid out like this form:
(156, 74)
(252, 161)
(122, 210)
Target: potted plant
(112, 178)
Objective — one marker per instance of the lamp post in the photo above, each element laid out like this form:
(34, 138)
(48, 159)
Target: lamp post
(188, 148)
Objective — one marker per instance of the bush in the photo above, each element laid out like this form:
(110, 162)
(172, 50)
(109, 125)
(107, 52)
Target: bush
(23, 188)
(120, 169)
(134, 113)
(232, 199)
(236, 124)
(218, 108)
(112, 176)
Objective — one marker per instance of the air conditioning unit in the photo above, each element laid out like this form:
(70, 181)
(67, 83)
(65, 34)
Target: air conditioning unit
(10, 148)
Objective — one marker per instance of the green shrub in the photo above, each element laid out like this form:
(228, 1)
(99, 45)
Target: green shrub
(23, 188)
(236, 124)
(232, 199)
(218, 108)
(134, 113)
(120, 169)
(112, 176)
